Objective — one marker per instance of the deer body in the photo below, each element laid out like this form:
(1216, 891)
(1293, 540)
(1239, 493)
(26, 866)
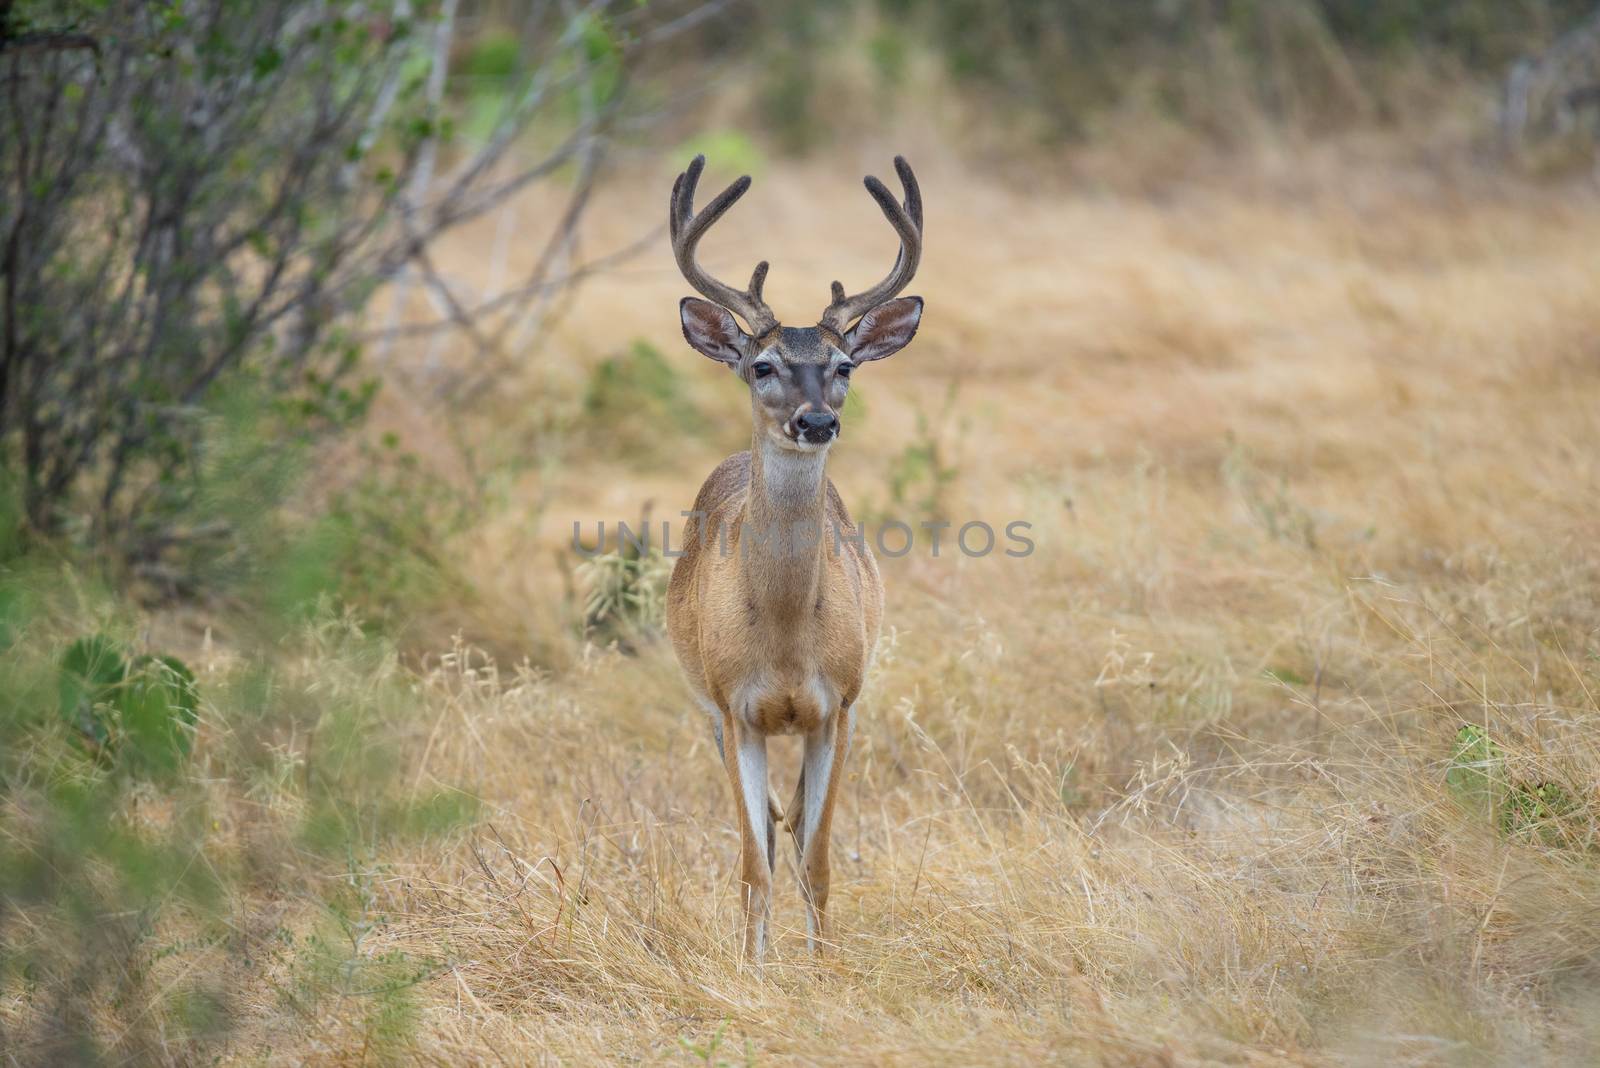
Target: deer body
(775, 602)
(778, 634)
(775, 640)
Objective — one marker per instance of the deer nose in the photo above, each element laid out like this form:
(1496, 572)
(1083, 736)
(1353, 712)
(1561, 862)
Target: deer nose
(817, 427)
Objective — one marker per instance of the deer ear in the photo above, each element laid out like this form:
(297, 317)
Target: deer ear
(710, 330)
(884, 330)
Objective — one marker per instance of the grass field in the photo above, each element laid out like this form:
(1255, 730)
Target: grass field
(1243, 764)
(1283, 745)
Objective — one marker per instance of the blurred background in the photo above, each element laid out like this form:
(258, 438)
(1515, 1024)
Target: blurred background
(323, 326)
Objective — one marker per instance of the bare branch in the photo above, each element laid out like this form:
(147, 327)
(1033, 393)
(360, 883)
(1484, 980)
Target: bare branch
(50, 41)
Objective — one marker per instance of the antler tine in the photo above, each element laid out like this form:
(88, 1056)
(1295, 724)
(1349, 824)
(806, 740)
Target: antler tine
(908, 180)
(674, 221)
(906, 219)
(687, 228)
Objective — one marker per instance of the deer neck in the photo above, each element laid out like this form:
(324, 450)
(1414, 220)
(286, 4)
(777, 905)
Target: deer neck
(781, 552)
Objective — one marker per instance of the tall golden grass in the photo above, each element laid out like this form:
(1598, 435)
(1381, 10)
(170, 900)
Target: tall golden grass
(1308, 446)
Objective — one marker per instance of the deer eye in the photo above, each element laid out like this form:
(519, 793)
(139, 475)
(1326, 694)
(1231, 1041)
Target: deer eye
(761, 369)
(844, 369)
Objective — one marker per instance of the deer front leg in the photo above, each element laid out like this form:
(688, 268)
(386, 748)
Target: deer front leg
(774, 813)
(825, 750)
(746, 761)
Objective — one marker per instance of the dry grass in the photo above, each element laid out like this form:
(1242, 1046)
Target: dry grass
(1309, 453)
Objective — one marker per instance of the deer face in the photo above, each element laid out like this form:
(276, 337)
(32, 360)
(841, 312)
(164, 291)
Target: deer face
(798, 376)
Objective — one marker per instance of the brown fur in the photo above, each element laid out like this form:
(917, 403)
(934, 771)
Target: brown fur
(732, 606)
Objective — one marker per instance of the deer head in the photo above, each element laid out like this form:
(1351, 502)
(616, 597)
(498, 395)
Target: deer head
(798, 376)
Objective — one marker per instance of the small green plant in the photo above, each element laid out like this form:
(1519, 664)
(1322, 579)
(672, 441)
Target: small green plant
(706, 1052)
(141, 714)
(1477, 771)
(1540, 810)
(1286, 675)
(1478, 778)
(334, 962)
(921, 474)
(625, 594)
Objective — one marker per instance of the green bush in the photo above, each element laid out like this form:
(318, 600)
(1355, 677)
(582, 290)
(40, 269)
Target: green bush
(161, 252)
(200, 199)
(151, 826)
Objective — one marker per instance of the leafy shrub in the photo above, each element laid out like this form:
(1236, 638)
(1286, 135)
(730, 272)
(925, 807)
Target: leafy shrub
(922, 473)
(380, 547)
(1481, 33)
(199, 199)
(132, 926)
(791, 73)
(205, 200)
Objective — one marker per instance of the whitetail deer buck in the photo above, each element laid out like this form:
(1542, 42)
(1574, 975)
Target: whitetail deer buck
(775, 601)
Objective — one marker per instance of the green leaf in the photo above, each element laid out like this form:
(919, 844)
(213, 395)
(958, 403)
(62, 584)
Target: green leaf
(144, 713)
(598, 42)
(92, 670)
(493, 57)
(159, 707)
(1476, 774)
